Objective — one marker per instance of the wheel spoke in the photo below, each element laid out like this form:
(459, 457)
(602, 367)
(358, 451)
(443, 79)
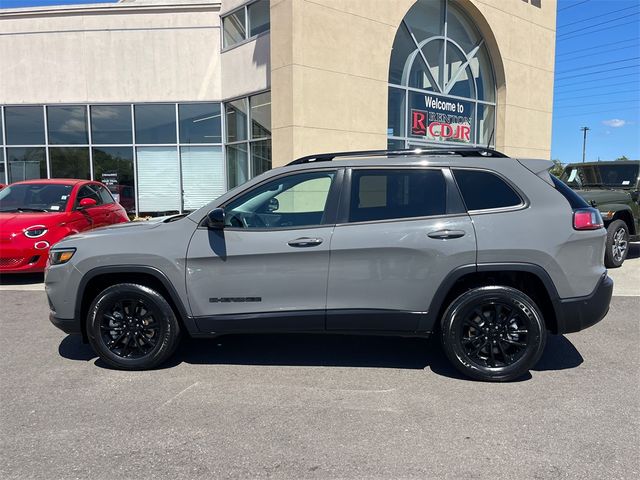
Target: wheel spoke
(491, 354)
(476, 350)
(506, 358)
(513, 342)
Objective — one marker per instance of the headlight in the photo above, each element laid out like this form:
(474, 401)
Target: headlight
(35, 231)
(60, 256)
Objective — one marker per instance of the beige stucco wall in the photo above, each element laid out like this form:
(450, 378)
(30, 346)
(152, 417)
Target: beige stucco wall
(330, 61)
(162, 50)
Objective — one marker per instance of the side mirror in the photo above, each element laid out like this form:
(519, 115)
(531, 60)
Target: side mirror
(215, 219)
(88, 202)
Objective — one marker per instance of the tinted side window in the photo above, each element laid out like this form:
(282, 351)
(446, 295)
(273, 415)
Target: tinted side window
(88, 192)
(105, 195)
(483, 190)
(575, 200)
(297, 200)
(389, 194)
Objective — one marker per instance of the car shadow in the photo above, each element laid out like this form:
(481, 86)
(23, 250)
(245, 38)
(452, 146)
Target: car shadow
(21, 278)
(308, 350)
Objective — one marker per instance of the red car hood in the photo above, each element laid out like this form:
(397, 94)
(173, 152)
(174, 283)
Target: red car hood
(16, 222)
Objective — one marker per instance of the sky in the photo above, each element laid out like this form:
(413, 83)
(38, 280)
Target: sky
(597, 80)
(597, 77)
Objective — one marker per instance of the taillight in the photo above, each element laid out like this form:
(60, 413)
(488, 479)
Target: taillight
(587, 219)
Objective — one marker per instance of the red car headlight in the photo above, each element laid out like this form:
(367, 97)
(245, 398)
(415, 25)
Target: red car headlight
(35, 231)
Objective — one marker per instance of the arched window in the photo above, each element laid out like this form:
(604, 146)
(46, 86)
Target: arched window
(441, 83)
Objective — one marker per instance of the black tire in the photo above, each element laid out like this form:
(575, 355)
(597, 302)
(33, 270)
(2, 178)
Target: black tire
(617, 245)
(493, 333)
(132, 327)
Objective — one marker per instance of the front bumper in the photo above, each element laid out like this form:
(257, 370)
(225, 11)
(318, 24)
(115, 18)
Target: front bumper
(575, 314)
(70, 326)
(28, 260)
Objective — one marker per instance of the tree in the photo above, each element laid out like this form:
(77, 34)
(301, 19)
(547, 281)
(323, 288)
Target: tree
(557, 168)
(623, 158)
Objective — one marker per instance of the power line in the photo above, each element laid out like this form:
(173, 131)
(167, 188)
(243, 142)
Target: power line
(596, 79)
(599, 64)
(589, 105)
(597, 47)
(595, 111)
(598, 24)
(596, 16)
(592, 54)
(574, 5)
(598, 95)
(599, 30)
(597, 86)
(599, 71)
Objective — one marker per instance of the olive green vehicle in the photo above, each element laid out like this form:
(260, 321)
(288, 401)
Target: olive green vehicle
(614, 189)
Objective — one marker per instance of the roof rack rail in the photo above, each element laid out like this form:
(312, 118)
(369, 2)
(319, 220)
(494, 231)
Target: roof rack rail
(462, 151)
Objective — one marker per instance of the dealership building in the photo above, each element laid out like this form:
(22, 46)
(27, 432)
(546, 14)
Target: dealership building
(172, 102)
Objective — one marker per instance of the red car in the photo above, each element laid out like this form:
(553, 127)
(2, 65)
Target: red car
(35, 214)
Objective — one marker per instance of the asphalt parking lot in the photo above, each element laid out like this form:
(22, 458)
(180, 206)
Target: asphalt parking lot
(304, 406)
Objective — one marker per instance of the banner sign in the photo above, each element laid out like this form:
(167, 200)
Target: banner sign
(442, 120)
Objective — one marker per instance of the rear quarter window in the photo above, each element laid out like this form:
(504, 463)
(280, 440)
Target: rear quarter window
(575, 200)
(483, 190)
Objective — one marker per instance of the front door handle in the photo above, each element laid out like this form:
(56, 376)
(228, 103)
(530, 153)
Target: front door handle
(305, 242)
(445, 234)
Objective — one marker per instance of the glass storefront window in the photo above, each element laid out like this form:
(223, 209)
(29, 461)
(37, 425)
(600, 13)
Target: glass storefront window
(395, 127)
(113, 166)
(26, 163)
(486, 124)
(111, 124)
(200, 123)
(234, 28)
(67, 125)
(261, 115)
(441, 63)
(69, 162)
(155, 123)
(24, 125)
(237, 165)
(258, 17)
(202, 175)
(236, 113)
(158, 185)
(3, 176)
(260, 156)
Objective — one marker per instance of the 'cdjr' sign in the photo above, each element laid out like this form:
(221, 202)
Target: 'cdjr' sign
(442, 120)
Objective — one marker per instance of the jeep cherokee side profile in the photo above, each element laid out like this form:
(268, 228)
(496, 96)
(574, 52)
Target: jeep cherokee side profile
(486, 251)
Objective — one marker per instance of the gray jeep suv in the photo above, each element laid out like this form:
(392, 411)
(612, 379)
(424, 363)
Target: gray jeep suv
(488, 252)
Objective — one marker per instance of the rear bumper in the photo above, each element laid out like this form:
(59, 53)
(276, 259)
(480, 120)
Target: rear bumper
(67, 325)
(575, 314)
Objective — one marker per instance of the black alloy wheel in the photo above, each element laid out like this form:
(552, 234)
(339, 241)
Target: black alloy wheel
(132, 327)
(617, 245)
(493, 333)
(129, 329)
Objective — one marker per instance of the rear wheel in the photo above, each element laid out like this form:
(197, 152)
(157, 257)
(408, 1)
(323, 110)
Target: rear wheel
(617, 244)
(132, 327)
(493, 333)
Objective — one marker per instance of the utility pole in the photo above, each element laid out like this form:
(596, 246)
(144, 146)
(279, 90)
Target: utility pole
(584, 141)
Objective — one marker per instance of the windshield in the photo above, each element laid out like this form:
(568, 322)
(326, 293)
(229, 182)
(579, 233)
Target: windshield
(35, 197)
(619, 176)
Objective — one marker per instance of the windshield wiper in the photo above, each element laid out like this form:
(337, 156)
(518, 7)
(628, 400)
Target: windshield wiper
(175, 217)
(25, 209)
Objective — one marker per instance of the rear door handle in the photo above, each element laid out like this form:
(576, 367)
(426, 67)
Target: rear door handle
(445, 234)
(305, 242)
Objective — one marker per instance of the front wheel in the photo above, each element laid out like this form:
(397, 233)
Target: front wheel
(132, 327)
(617, 244)
(493, 333)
